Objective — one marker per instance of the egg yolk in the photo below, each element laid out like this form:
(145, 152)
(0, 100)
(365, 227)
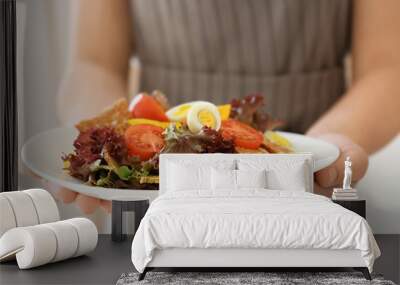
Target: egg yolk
(182, 110)
(206, 118)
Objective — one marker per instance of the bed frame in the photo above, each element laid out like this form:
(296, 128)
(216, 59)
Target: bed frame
(249, 259)
(233, 259)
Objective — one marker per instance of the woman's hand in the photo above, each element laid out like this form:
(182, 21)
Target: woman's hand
(332, 176)
(81, 98)
(87, 204)
(97, 74)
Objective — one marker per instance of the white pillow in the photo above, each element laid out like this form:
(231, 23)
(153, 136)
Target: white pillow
(284, 172)
(251, 178)
(292, 179)
(223, 179)
(231, 180)
(192, 174)
(183, 177)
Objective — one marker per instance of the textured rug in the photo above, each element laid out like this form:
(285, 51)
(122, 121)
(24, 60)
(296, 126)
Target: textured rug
(269, 278)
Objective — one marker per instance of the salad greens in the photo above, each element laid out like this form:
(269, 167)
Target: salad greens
(179, 139)
(248, 110)
(111, 152)
(100, 158)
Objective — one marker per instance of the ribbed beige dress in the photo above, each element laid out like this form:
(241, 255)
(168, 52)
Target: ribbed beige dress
(290, 50)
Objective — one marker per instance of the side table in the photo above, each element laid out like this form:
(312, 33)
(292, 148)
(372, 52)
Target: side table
(356, 206)
(118, 208)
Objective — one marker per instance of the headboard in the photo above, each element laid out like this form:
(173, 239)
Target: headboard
(212, 158)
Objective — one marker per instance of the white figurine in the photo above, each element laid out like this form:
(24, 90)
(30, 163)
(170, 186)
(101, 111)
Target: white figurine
(347, 192)
(347, 174)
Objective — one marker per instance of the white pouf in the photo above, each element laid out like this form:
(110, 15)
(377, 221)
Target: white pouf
(23, 208)
(40, 244)
(7, 220)
(46, 207)
(31, 232)
(26, 208)
(67, 237)
(87, 234)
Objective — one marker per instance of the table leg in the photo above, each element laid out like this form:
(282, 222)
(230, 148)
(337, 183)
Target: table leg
(116, 225)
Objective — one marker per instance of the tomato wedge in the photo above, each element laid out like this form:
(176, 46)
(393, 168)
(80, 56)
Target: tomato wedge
(243, 135)
(144, 106)
(144, 140)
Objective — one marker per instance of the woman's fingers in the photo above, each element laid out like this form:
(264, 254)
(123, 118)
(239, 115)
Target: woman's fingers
(87, 204)
(59, 192)
(106, 205)
(66, 195)
(333, 174)
(322, 191)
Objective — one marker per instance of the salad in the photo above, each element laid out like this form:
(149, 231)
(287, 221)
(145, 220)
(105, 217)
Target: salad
(120, 147)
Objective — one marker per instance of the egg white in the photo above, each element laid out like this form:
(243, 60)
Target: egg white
(171, 113)
(193, 120)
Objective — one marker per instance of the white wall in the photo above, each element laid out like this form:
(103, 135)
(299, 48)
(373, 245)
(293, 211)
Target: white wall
(46, 53)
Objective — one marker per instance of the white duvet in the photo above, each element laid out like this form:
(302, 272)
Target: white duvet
(250, 219)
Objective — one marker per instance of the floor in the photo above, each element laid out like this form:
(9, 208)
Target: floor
(110, 260)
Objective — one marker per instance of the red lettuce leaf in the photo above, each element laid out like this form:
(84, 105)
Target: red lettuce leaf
(207, 141)
(248, 111)
(90, 146)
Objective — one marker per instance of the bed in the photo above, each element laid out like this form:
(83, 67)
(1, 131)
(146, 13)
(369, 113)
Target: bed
(202, 219)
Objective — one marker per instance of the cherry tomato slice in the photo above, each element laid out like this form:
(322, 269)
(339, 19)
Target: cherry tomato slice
(144, 140)
(243, 135)
(146, 107)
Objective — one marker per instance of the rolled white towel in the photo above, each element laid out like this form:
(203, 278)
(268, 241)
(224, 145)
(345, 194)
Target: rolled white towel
(40, 244)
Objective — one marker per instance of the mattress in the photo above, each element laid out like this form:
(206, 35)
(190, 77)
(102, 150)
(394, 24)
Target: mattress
(250, 219)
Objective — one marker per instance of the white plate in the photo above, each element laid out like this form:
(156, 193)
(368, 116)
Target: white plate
(324, 153)
(42, 155)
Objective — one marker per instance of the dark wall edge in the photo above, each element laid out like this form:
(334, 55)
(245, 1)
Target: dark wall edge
(8, 98)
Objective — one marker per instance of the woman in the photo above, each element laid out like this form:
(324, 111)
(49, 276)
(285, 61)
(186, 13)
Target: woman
(292, 51)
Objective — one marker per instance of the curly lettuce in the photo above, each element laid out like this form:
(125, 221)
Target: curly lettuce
(182, 140)
(101, 158)
(248, 110)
